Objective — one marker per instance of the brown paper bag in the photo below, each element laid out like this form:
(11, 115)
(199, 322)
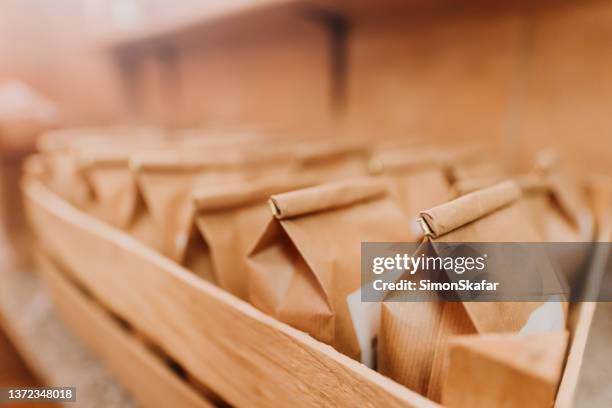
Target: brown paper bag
(489, 215)
(417, 180)
(472, 162)
(469, 185)
(118, 199)
(62, 153)
(560, 213)
(167, 180)
(334, 160)
(599, 189)
(504, 370)
(307, 262)
(67, 179)
(230, 219)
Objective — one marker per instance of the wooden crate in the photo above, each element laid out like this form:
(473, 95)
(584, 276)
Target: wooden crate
(242, 355)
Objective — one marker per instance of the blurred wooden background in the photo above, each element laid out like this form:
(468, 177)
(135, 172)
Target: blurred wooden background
(519, 76)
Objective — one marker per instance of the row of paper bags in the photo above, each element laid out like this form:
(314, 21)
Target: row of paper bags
(279, 222)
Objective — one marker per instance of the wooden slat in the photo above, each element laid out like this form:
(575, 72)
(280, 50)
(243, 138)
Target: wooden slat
(151, 382)
(580, 323)
(52, 354)
(244, 356)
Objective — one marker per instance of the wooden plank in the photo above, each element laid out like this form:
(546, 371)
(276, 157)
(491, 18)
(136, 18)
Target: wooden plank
(580, 323)
(447, 77)
(244, 356)
(151, 382)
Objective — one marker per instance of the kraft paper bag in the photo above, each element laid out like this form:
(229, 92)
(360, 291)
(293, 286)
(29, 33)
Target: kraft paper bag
(119, 201)
(469, 185)
(168, 180)
(557, 207)
(560, 213)
(66, 178)
(231, 217)
(489, 215)
(166, 188)
(472, 162)
(306, 265)
(416, 178)
(62, 152)
(332, 160)
(599, 189)
(504, 370)
(567, 192)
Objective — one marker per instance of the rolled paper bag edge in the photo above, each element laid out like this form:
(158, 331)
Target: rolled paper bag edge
(229, 196)
(326, 196)
(470, 207)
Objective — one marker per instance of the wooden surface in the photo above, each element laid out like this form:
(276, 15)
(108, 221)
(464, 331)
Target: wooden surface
(580, 322)
(444, 78)
(244, 356)
(523, 77)
(594, 382)
(151, 382)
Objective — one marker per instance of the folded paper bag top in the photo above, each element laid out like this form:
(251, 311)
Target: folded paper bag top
(521, 371)
(220, 198)
(230, 218)
(307, 261)
(489, 215)
(447, 217)
(324, 197)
